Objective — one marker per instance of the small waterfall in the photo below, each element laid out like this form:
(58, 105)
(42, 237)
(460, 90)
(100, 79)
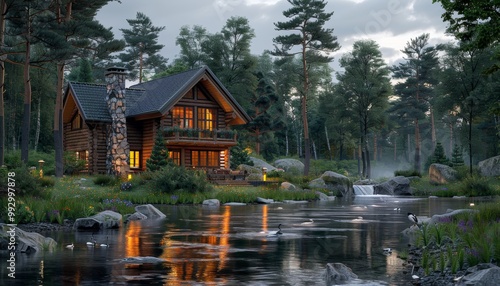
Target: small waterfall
(363, 190)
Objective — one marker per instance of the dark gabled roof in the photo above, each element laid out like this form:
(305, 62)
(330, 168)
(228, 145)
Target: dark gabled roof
(91, 100)
(156, 96)
(162, 92)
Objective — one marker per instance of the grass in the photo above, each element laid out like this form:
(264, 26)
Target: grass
(469, 186)
(82, 196)
(468, 239)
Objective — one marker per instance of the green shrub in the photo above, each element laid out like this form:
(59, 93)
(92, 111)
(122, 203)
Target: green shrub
(47, 182)
(174, 178)
(477, 186)
(105, 180)
(407, 173)
(25, 183)
(72, 164)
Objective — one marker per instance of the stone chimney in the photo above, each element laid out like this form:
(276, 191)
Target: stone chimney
(117, 160)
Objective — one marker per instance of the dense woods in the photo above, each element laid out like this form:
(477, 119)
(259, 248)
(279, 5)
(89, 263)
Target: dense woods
(368, 111)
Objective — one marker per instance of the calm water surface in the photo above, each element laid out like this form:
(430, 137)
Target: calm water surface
(230, 246)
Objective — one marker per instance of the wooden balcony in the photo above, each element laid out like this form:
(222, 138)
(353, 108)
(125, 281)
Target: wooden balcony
(197, 137)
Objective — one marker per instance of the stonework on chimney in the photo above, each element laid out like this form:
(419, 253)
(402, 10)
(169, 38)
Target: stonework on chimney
(118, 149)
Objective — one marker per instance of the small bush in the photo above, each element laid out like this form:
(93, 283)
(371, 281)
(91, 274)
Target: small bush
(73, 165)
(105, 180)
(25, 183)
(47, 181)
(407, 173)
(477, 186)
(174, 178)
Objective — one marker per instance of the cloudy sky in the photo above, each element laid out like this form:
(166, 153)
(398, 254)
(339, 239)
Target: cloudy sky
(391, 23)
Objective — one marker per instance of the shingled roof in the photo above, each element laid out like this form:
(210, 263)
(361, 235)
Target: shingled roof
(156, 96)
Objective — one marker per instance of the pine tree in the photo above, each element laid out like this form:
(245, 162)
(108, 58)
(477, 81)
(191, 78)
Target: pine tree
(159, 154)
(439, 156)
(457, 156)
(307, 19)
(142, 54)
(239, 156)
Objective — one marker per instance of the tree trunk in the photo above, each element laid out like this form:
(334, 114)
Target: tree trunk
(433, 129)
(307, 147)
(58, 122)
(314, 150)
(328, 143)
(286, 143)
(3, 10)
(375, 150)
(417, 147)
(37, 131)
(470, 137)
(25, 135)
(359, 161)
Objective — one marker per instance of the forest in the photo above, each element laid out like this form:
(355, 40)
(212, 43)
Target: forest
(446, 95)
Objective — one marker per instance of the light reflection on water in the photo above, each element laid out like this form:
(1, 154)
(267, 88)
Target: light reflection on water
(230, 245)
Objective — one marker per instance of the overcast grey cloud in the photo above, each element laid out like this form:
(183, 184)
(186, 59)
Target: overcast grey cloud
(391, 23)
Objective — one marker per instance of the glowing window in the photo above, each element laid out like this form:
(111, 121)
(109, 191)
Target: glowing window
(175, 156)
(135, 159)
(183, 116)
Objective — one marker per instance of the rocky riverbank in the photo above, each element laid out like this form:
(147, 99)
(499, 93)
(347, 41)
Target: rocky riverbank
(440, 254)
(44, 228)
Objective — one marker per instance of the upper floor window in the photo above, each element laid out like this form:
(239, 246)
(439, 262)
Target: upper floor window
(183, 116)
(77, 122)
(207, 118)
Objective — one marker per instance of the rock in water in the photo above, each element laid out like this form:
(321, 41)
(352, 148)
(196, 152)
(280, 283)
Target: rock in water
(338, 273)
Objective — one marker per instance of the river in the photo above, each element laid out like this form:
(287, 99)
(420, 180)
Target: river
(230, 245)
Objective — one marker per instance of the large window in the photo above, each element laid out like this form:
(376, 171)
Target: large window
(77, 122)
(205, 159)
(183, 116)
(135, 159)
(175, 156)
(207, 118)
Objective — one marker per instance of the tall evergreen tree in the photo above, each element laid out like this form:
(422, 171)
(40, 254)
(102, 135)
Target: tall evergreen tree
(191, 42)
(267, 114)
(461, 79)
(228, 55)
(142, 53)
(476, 23)
(159, 154)
(306, 19)
(73, 31)
(366, 85)
(415, 91)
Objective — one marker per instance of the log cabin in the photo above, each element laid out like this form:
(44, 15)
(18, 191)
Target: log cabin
(113, 128)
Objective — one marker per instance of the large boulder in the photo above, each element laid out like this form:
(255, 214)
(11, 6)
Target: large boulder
(293, 166)
(150, 211)
(289, 186)
(211, 203)
(337, 183)
(258, 163)
(448, 216)
(338, 273)
(103, 220)
(254, 173)
(397, 186)
(481, 274)
(490, 167)
(27, 242)
(441, 174)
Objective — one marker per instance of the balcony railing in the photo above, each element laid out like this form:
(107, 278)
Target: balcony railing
(193, 134)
